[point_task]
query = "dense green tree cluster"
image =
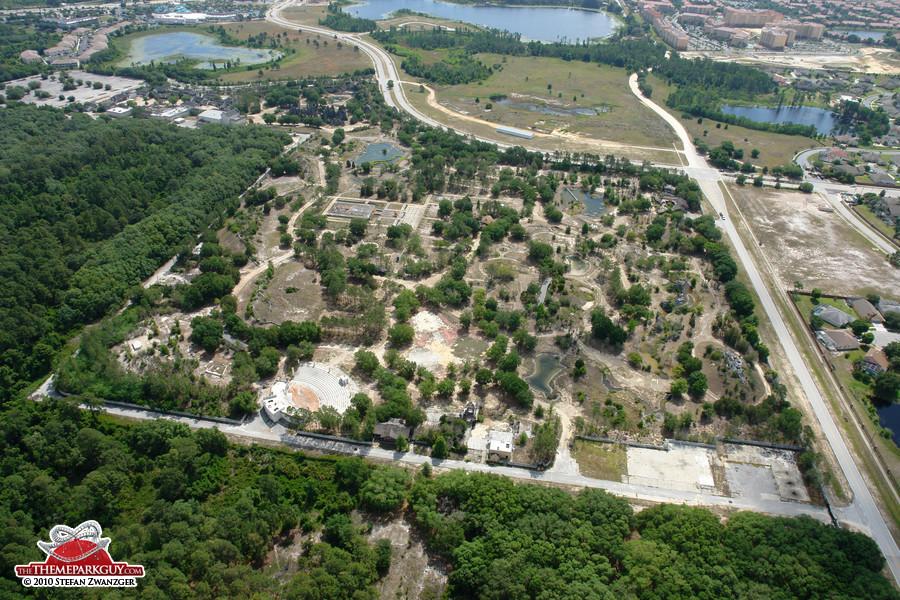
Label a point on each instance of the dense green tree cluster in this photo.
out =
(92, 207)
(454, 69)
(865, 121)
(506, 540)
(338, 20)
(17, 35)
(200, 514)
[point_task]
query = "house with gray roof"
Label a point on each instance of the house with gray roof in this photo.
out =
(871, 157)
(885, 305)
(837, 340)
(866, 310)
(832, 316)
(881, 178)
(391, 430)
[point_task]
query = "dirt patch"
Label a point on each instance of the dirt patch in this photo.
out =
(817, 248)
(414, 573)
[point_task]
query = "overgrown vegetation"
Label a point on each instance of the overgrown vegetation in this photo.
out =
(204, 516)
(92, 208)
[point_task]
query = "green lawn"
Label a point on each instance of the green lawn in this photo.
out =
(602, 461)
(874, 220)
(552, 84)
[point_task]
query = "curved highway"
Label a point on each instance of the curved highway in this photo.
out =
(863, 512)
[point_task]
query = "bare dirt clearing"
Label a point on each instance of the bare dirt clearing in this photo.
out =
(817, 248)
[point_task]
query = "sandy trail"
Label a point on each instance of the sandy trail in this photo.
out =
(562, 136)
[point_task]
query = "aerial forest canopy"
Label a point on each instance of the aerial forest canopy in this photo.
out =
(89, 209)
(204, 516)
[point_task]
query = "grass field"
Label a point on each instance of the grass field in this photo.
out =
(572, 85)
(305, 15)
(805, 304)
(775, 150)
(308, 60)
(602, 461)
(874, 220)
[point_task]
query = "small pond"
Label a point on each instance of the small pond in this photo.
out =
(593, 205)
(552, 110)
(469, 348)
(547, 24)
(378, 153)
(546, 366)
(863, 35)
(181, 45)
(577, 266)
(889, 415)
(823, 120)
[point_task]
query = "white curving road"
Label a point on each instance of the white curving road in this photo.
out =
(863, 512)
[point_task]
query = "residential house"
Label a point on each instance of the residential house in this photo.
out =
(847, 140)
(872, 157)
(885, 306)
(392, 430)
(892, 209)
(881, 178)
(832, 316)
(837, 340)
(499, 445)
(875, 362)
(866, 310)
(849, 169)
(833, 154)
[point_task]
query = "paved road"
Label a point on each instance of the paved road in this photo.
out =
(832, 191)
(863, 512)
(263, 430)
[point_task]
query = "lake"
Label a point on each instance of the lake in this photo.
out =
(175, 46)
(577, 266)
(533, 23)
(823, 120)
(863, 35)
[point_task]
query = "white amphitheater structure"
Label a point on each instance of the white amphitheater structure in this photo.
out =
(311, 388)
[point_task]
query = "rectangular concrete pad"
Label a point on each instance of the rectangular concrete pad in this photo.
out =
(751, 481)
(350, 210)
(681, 467)
(766, 473)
